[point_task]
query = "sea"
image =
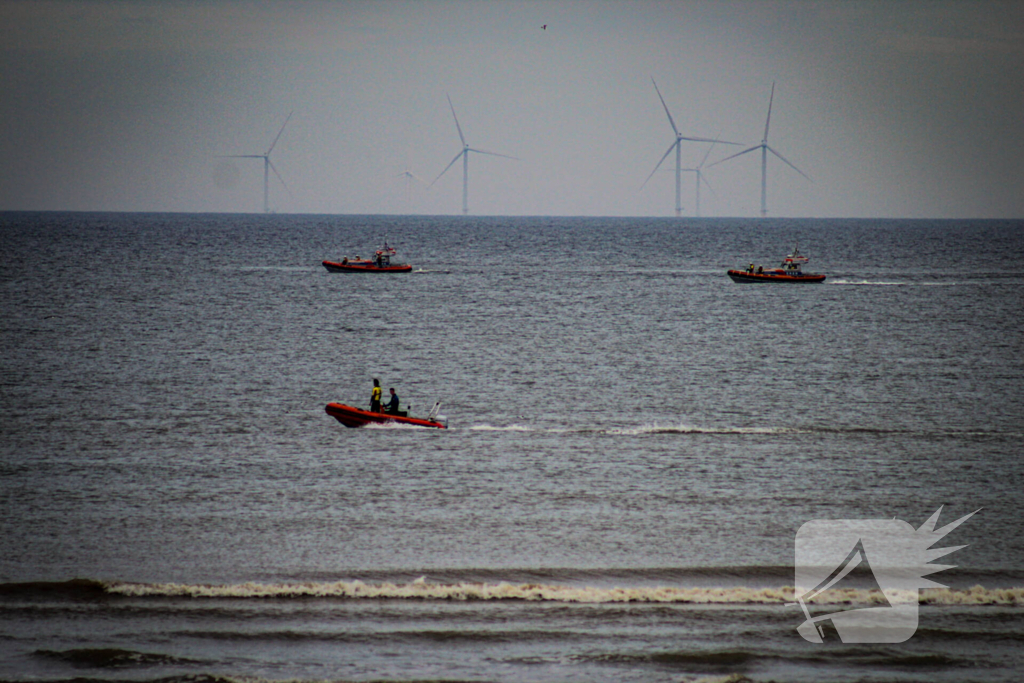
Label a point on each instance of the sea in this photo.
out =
(634, 446)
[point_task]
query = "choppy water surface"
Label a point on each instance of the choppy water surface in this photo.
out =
(634, 442)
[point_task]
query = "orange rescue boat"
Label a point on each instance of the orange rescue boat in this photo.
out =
(790, 271)
(380, 263)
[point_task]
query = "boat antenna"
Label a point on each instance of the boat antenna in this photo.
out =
(433, 411)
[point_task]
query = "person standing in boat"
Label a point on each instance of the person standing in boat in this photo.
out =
(391, 406)
(375, 396)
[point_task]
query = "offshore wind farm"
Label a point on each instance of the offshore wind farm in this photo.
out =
(141, 101)
(676, 146)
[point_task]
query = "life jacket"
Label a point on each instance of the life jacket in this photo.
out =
(375, 396)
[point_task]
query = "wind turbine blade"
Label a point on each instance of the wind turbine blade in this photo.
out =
(457, 126)
(446, 168)
(751, 149)
(279, 132)
(240, 156)
(789, 164)
(658, 165)
(721, 142)
(665, 106)
(708, 184)
(493, 154)
(706, 155)
(769, 119)
(283, 184)
(409, 174)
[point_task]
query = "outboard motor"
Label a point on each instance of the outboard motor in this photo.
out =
(435, 417)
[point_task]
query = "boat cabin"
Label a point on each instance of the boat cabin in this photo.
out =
(793, 263)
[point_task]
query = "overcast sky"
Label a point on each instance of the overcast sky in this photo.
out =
(893, 109)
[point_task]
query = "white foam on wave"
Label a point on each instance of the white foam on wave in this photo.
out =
(394, 425)
(421, 589)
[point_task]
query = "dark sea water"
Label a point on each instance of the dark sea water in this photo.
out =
(634, 443)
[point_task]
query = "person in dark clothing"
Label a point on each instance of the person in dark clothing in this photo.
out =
(392, 405)
(375, 397)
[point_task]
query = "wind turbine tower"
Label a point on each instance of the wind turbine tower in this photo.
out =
(676, 145)
(466, 149)
(765, 148)
(698, 170)
(409, 177)
(268, 165)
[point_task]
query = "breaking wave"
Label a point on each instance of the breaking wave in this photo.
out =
(421, 589)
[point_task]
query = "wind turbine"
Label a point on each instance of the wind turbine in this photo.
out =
(466, 149)
(268, 166)
(699, 171)
(677, 144)
(409, 177)
(764, 158)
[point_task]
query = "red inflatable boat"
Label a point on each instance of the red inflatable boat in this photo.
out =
(357, 417)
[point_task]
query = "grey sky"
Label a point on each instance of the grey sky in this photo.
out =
(894, 109)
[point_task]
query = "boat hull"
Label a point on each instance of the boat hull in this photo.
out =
(745, 276)
(365, 267)
(357, 417)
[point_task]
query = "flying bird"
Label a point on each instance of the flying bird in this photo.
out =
(544, 27)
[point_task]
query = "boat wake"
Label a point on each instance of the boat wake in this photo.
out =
(509, 428)
(656, 428)
(690, 429)
(642, 430)
(396, 425)
(883, 283)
